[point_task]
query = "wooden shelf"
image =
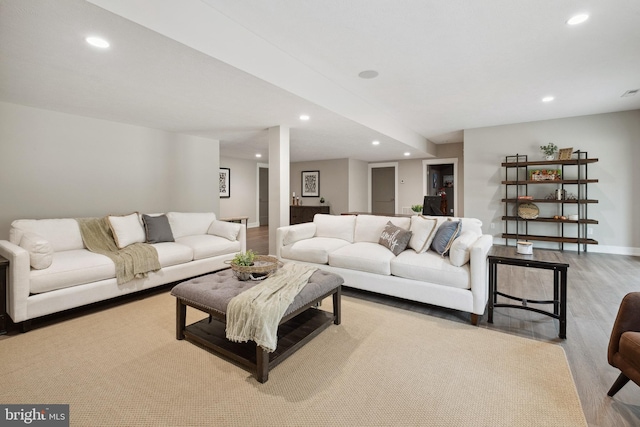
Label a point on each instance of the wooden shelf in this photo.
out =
(557, 239)
(547, 219)
(567, 201)
(555, 181)
(549, 162)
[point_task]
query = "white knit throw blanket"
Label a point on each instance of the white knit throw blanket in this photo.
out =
(255, 313)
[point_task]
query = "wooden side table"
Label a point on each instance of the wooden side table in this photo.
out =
(4, 270)
(544, 259)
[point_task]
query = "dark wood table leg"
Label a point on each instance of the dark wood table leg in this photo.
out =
(262, 364)
(337, 308)
(563, 303)
(492, 290)
(181, 318)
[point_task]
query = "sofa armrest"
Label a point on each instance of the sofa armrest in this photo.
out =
(242, 238)
(479, 272)
(18, 281)
(627, 319)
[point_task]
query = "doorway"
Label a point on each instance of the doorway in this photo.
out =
(441, 179)
(263, 194)
(383, 188)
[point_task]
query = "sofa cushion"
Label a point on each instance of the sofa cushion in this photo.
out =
(314, 250)
(423, 230)
(299, 232)
(126, 229)
(430, 267)
(369, 227)
(335, 226)
(63, 234)
(72, 268)
(40, 251)
(394, 238)
(207, 246)
(171, 253)
(228, 230)
(363, 256)
(460, 251)
(157, 228)
(190, 223)
(446, 234)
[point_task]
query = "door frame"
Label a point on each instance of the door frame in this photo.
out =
(393, 165)
(258, 166)
(456, 180)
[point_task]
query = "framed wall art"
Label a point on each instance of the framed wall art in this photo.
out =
(565, 153)
(310, 183)
(225, 183)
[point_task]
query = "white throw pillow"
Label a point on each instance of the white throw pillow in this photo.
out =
(228, 230)
(299, 232)
(459, 253)
(40, 251)
(190, 223)
(423, 230)
(335, 226)
(127, 229)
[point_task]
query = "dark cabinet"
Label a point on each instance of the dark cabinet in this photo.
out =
(300, 214)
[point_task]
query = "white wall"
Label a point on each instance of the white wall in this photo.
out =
(613, 138)
(56, 165)
(334, 177)
(358, 186)
(243, 189)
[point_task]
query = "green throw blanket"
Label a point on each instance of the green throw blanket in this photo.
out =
(255, 313)
(134, 261)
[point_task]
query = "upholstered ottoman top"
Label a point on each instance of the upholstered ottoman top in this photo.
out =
(214, 291)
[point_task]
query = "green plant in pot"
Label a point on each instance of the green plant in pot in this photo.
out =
(549, 150)
(244, 259)
(417, 208)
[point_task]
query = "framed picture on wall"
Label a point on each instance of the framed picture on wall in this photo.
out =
(225, 183)
(310, 183)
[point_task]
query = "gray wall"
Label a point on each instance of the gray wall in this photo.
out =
(56, 165)
(334, 176)
(244, 181)
(613, 138)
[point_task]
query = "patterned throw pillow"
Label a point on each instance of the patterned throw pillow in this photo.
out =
(445, 236)
(395, 238)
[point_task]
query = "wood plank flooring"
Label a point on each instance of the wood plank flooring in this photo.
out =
(596, 285)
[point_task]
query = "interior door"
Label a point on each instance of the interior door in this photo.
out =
(383, 185)
(263, 197)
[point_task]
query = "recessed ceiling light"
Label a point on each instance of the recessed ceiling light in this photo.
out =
(407, 153)
(578, 19)
(304, 117)
(258, 155)
(375, 142)
(368, 74)
(548, 99)
(97, 42)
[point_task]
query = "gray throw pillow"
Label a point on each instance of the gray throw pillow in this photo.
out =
(157, 228)
(445, 236)
(395, 238)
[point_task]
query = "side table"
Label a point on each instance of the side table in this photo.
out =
(4, 270)
(544, 259)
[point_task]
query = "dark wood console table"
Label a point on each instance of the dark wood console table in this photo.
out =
(300, 214)
(544, 259)
(4, 268)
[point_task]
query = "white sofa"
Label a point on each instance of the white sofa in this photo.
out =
(348, 245)
(76, 276)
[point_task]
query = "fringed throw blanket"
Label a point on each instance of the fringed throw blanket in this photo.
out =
(255, 313)
(134, 261)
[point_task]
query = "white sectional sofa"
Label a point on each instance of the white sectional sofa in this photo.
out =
(52, 270)
(348, 245)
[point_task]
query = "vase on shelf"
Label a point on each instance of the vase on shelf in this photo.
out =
(550, 157)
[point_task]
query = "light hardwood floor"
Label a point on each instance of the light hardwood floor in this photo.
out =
(596, 285)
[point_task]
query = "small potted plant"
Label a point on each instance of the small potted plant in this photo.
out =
(417, 208)
(549, 150)
(243, 259)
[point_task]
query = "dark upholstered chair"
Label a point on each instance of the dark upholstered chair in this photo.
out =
(624, 344)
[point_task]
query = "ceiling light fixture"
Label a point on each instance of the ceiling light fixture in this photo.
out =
(97, 42)
(548, 99)
(304, 117)
(407, 153)
(578, 19)
(258, 155)
(375, 142)
(368, 74)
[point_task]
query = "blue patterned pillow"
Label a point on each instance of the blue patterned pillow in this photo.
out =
(445, 236)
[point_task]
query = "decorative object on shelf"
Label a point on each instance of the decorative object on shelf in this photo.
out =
(225, 183)
(573, 217)
(528, 211)
(549, 150)
(560, 194)
(417, 208)
(525, 197)
(310, 183)
(524, 248)
(545, 175)
(565, 153)
(249, 266)
(322, 200)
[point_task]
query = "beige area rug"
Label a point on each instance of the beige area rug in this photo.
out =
(383, 366)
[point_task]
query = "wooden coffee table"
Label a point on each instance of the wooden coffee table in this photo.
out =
(302, 321)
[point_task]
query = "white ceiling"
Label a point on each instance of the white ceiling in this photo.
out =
(229, 70)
